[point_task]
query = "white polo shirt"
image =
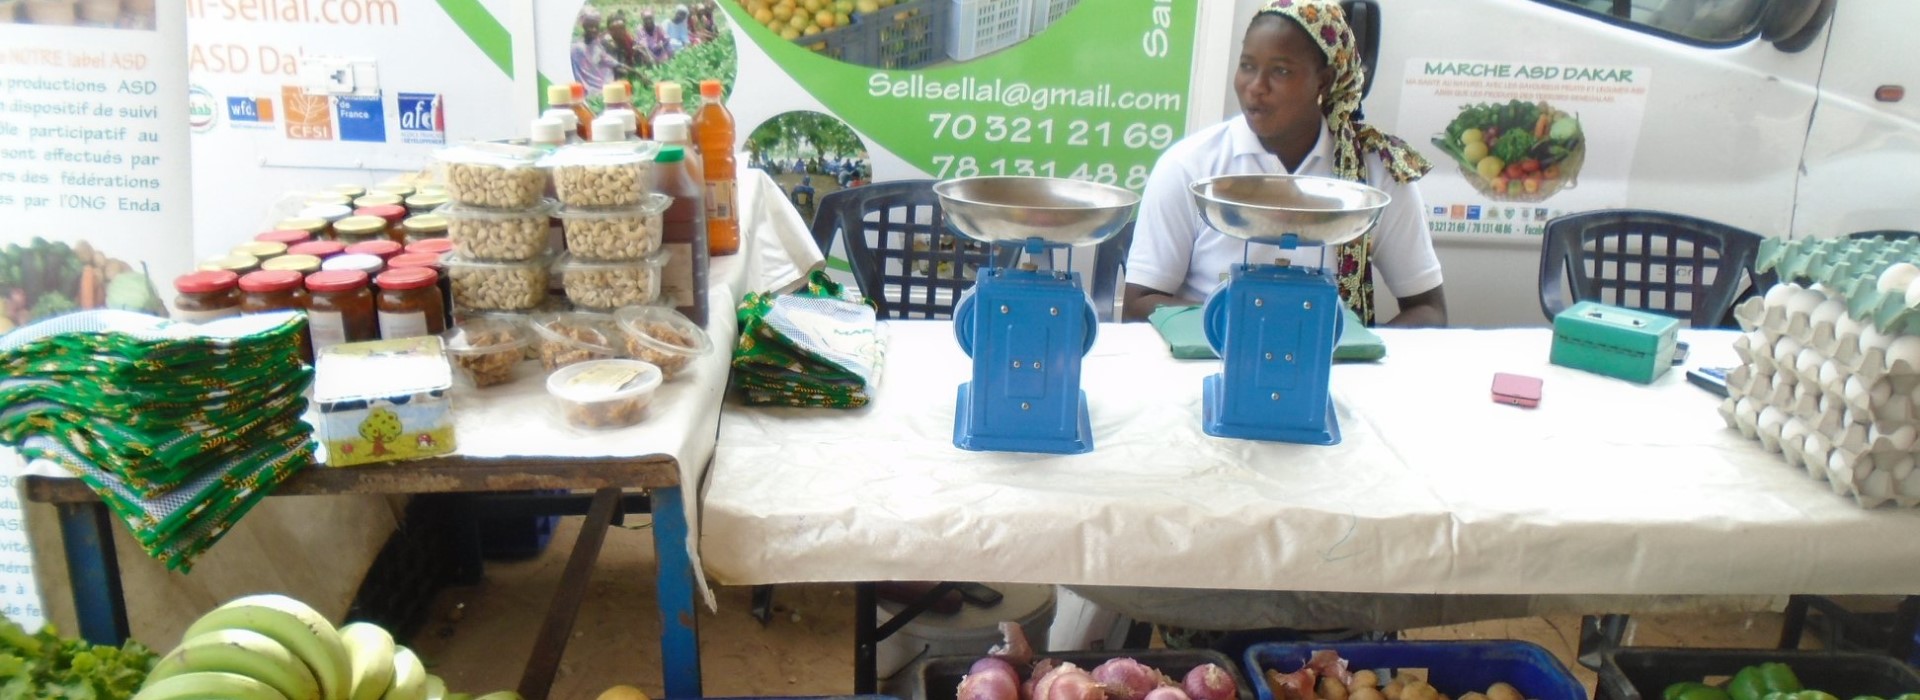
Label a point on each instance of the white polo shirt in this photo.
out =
(1173, 251)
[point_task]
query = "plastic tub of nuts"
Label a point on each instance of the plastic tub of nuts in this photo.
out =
(605, 285)
(604, 393)
(617, 174)
(487, 348)
(621, 233)
(495, 175)
(663, 337)
(498, 234)
(565, 337)
(497, 286)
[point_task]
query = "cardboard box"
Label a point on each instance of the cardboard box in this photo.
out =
(1623, 343)
(383, 401)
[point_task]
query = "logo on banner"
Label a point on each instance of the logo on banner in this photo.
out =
(250, 112)
(423, 118)
(202, 109)
(361, 119)
(309, 117)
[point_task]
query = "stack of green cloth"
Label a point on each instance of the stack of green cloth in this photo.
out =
(1184, 328)
(180, 428)
(809, 348)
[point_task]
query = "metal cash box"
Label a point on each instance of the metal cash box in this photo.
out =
(1617, 342)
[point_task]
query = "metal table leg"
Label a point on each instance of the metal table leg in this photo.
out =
(551, 641)
(865, 646)
(679, 622)
(94, 571)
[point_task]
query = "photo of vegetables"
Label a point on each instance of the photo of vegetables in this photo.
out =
(1516, 151)
(43, 279)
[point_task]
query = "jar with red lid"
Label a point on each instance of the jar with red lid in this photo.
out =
(383, 249)
(276, 290)
(395, 216)
(409, 304)
(436, 246)
(340, 308)
(289, 238)
(318, 249)
(433, 262)
(206, 295)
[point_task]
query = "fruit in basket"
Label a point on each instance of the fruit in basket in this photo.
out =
(243, 652)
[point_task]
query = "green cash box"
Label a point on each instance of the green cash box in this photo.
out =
(1622, 343)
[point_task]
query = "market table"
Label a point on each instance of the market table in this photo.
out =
(510, 438)
(1607, 488)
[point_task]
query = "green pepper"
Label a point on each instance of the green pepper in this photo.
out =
(1694, 691)
(1757, 682)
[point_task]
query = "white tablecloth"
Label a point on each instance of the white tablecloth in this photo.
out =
(1607, 488)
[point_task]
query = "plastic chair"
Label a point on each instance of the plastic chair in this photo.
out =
(1893, 234)
(1655, 261)
(902, 253)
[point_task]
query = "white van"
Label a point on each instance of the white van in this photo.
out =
(1782, 117)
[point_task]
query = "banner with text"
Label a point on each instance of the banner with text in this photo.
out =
(1517, 143)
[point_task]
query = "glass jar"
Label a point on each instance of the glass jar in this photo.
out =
(425, 203)
(395, 216)
(340, 308)
(289, 238)
(409, 305)
(261, 250)
(316, 228)
(383, 249)
(436, 246)
(431, 261)
(359, 229)
(421, 227)
(368, 265)
(303, 264)
(376, 200)
(272, 290)
(318, 249)
(236, 263)
(206, 295)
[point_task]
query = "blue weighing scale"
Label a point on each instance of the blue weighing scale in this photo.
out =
(1027, 329)
(1275, 325)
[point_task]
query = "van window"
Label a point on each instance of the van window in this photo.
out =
(1702, 21)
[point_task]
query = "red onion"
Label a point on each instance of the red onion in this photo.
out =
(1210, 682)
(990, 679)
(1068, 682)
(1127, 679)
(1167, 692)
(1040, 670)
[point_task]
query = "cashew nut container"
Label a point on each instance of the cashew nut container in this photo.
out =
(497, 286)
(488, 348)
(604, 393)
(617, 233)
(497, 175)
(663, 337)
(605, 285)
(608, 174)
(498, 234)
(566, 337)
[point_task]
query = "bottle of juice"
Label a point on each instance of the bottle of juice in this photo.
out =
(560, 107)
(713, 130)
(683, 282)
(667, 99)
(580, 110)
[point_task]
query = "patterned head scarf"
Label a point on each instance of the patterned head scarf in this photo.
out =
(1326, 23)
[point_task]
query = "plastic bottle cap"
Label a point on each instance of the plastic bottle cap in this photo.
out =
(298, 263)
(609, 127)
(336, 280)
(435, 246)
(413, 260)
(358, 262)
(670, 154)
(559, 95)
(549, 130)
(271, 281)
(261, 249)
(629, 121)
(384, 249)
(205, 281)
(711, 89)
(668, 91)
(578, 91)
(614, 93)
(288, 237)
(390, 212)
(318, 249)
(672, 128)
(407, 278)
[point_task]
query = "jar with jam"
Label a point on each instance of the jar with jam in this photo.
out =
(376, 200)
(276, 290)
(318, 249)
(340, 308)
(368, 265)
(303, 264)
(236, 263)
(395, 216)
(409, 305)
(423, 227)
(383, 249)
(423, 203)
(261, 250)
(359, 229)
(206, 295)
(316, 228)
(430, 261)
(289, 238)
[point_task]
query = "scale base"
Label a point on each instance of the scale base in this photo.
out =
(1060, 444)
(1214, 422)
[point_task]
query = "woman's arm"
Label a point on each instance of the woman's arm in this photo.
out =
(1138, 302)
(1427, 309)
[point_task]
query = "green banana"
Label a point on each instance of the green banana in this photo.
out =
(243, 652)
(209, 685)
(294, 625)
(409, 677)
(436, 688)
(370, 654)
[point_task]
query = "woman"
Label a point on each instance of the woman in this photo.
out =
(1298, 80)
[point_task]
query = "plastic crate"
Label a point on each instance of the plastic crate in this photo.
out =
(846, 43)
(1645, 672)
(1046, 12)
(1455, 668)
(981, 27)
(940, 675)
(907, 35)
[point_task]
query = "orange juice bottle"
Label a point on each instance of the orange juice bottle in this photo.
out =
(713, 131)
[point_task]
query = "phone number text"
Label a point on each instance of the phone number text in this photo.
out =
(1074, 133)
(1103, 173)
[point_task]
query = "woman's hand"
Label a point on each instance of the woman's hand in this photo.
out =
(1137, 302)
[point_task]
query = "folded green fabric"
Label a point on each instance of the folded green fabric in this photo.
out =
(1184, 329)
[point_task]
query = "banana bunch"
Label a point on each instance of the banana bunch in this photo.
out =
(271, 647)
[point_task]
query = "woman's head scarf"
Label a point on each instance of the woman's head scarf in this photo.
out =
(1326, 23)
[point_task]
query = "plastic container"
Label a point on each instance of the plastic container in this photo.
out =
(566, 337)
(713, 131)
(605, 285)
(601, 394)
(907, 35)
(1454, 668)
(981, 27)
(498, 234)
(497, 286)
(663, 337)
(1645, 672)
(622, 233)
(495, 175)
(846, 43)
(939, 677)
(488, 349)
(1046, 12)
(607, 174)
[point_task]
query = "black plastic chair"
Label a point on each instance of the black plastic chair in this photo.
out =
(1667, 263)
(902, 253)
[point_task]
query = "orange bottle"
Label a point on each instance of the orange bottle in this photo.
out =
(581, 111)
(713, 131)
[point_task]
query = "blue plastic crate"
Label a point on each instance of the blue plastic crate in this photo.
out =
(1455, 668)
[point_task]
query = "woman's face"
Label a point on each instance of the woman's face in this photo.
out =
(1280, 78)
